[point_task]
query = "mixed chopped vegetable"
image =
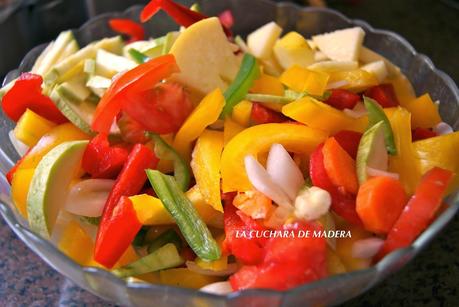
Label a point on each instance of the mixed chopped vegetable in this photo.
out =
(200, 160)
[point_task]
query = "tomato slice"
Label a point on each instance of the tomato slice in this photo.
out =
(419, 211)
(162, 109)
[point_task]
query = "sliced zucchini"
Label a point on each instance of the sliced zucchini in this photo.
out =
(75, 89)
(54, 53)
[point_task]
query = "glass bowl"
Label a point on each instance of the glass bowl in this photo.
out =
(249, 15)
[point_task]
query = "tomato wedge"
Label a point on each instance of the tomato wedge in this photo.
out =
(419, 211)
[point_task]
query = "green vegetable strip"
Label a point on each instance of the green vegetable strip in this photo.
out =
(288, 97)
(237, 91)
(182, 210)
(169, 236)
(166, 152)
(375, 115)
(163, 258)
(138, 56)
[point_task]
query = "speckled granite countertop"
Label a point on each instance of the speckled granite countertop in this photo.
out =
(432, 279)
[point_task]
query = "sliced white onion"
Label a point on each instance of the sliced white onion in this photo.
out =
(192, 266)
(20, 147)
(263, 182)
(337, 84)
(373, 172)
(279, 217)
(284, 171)
(221, 287)
(443, 128)
(358, 111)
(366, 248)
(88, 197)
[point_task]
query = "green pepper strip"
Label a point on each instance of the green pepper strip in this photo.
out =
(138, 56)
(193, 228)
(249, 72)
(375, 115)
(169, 236)
(166, 152)
(165, 257)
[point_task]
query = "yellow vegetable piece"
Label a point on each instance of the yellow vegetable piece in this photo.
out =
(403, 89)
(344, 248)
(230, 129)
(24, 173)
(293, 49)
(304, 80)
(267, 85)
(217, 265)
(334, 264)
(150, 210)
(241, 113)
(31, 127)
(424, 112)
(128, 257)
(206, 113)
(258, 139)
(319, 115)
(185, 278)
(206, 166)
(405, 162)
(77, 244)
(439, 151)
(357, 79)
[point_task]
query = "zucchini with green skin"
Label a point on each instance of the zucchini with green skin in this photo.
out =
(163, 258)
(193, 228)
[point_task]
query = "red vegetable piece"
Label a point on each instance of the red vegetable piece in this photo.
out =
(128, 27)
(419, 211)
(342, 99)
(26, 93)
(227, 19)
(349, 140)
(129, 182)
(343, 203)
(384, 94)
(262, 115)
(422, 134)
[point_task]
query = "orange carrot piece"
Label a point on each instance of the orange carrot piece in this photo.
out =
(340, 166)
(254, 204)
(380, 202)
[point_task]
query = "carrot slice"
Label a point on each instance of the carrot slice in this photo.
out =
(380, 202)
(340, 166)
(254, 204)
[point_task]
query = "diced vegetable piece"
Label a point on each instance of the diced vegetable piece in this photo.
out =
(341, 45)
(230, 129)
(169, 236)
(293, 49)
(77, 244)
(380, 202)
(109, 64)
(255, 204)
(355, 80)
(383, 94)
(419, 211)
(241, 112)
(128, 27)
(262, 115)
(268, 85)
(349, 141)
(345, 245)
(424, 112)
(303, 80)
(183, 277)
(138, 56)
(75, 89)
(422, 134)
(31, 127)
(333, 66)
(342, 99)
(378, 69)
(191, 225)
(262, 40)
(164, 257)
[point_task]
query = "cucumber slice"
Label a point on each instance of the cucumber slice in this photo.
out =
(40, 58)
(75, 89)
(71, 48)
(109, 64)
(89, 66)
(163, 258)
(53, 55)
(98, 85)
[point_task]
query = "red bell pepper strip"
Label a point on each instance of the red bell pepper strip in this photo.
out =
(342, 203)
(138, 79)
(128, 27)
(419, 211)
(26, 93)
(349, 140)
(9, 176)
(422, 134)
(288, 261)
(262, 115)
(101, 160)
(227, 19)
(181, 14)
(109, 247)
(384, 94)
(342, 99)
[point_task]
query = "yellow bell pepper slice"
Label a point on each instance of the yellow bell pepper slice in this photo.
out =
(230, 129)
(205, 164)
(301, 80)
(424, 112)
(404, 162)
(334, 264)
(77, 244)
(206, 113)
(257, 140)
(241, 113)
(185, 278)
(319, 115)
(357, 79)
(344, 248)
(24, 173)
(217, 265)
(440, 151)
(151, 211)
(31, 127)
(267, 85)
(403, 89)
(129, 256)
